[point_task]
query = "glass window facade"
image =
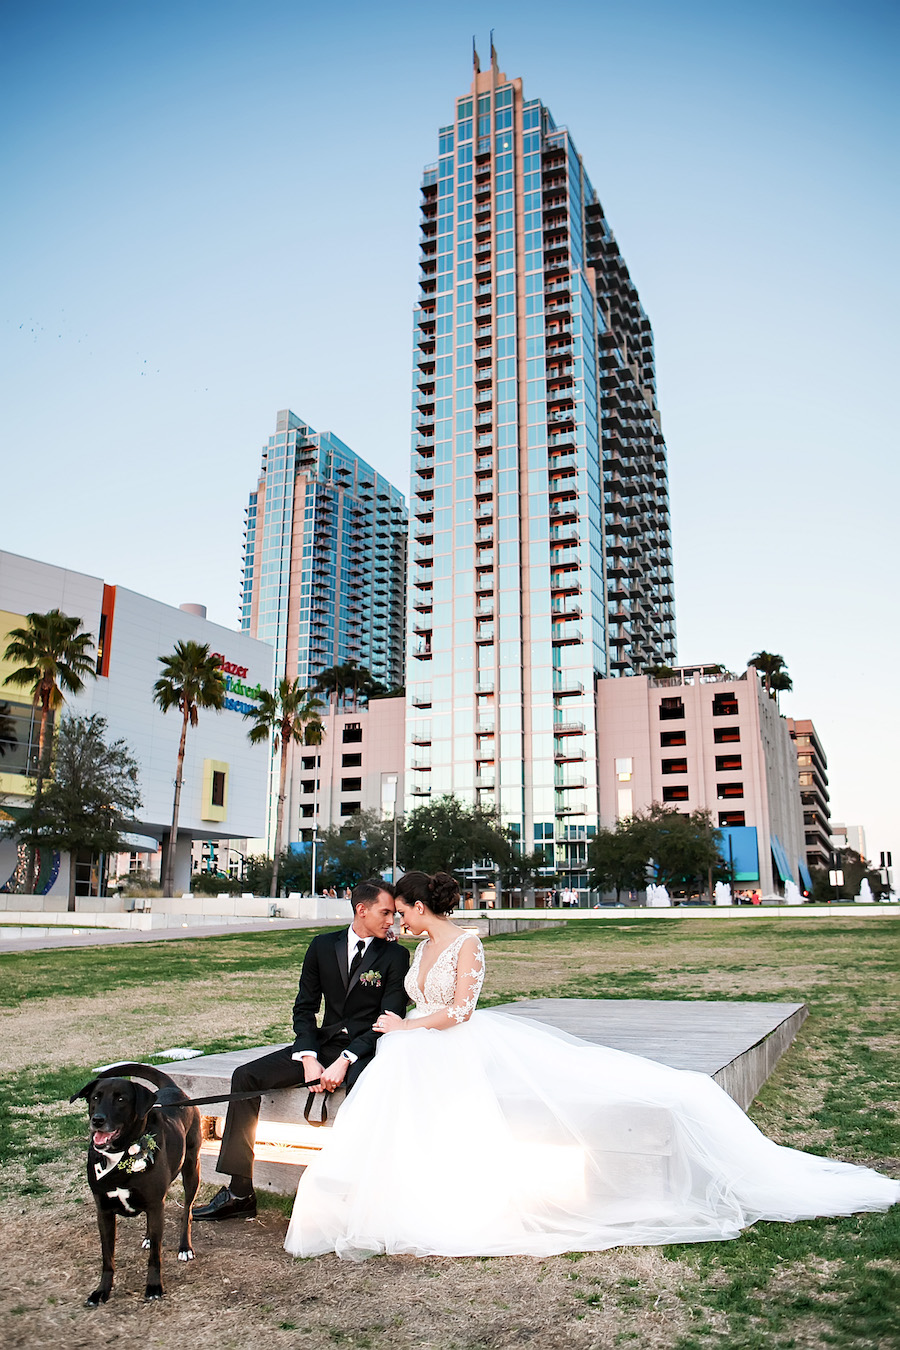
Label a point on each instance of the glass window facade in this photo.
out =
(325, 558)
(540, 557)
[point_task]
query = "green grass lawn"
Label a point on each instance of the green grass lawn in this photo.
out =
(822, 1283)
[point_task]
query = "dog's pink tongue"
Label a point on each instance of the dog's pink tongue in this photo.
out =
(101, 1138)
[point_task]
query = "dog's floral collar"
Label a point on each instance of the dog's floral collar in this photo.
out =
(371, 977)
(138, 1157)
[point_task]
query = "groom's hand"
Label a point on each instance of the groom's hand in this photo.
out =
(334, 1075)
(312, 1069)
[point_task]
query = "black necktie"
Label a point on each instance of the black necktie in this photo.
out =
(357, 960)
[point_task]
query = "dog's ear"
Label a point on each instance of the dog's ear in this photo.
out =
(85, 1091)
(144, 1100)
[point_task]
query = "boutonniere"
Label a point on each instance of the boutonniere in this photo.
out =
(372, 977)
(140, 1156)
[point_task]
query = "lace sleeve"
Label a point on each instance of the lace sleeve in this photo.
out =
(469, 979)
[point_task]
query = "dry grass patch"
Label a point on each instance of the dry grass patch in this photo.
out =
(132, 1024)
(244, 1291)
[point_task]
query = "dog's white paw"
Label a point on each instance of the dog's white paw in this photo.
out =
(186, 1256)
(145, 1244)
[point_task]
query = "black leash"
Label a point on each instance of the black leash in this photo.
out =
(227, 1097)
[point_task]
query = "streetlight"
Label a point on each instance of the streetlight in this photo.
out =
(389, 794)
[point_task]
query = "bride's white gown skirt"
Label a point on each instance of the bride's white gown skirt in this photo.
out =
(539, 1143)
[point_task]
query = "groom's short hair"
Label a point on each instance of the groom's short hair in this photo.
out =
(367, 892)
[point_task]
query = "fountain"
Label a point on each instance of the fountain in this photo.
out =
(865, 896)
(792, 894)
(658, 898)
(723, 893)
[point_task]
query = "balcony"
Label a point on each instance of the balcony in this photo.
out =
(565, 728)
(485, 685)
(564, 686)
(567, 806)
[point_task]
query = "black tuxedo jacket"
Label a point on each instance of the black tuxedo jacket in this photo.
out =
(351, 1006)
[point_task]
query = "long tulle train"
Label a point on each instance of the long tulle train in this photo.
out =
(552, 1145)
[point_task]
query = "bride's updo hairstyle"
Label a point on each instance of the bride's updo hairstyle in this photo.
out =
(439, 893)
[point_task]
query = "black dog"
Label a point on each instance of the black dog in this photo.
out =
(140, 1141)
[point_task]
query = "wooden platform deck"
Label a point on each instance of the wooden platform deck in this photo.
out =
(737, 1044)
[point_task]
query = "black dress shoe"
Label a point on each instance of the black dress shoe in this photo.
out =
(225, 1205)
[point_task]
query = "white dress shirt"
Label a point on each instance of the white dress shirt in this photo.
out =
(353, 938)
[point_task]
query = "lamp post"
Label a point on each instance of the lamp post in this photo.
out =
(389, 794)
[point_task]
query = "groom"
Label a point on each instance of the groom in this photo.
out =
(359, 975)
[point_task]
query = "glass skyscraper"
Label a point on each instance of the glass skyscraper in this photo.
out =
(540, 550)
(324, 577)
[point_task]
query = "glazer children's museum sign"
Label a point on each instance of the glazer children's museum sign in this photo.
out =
(233, 677)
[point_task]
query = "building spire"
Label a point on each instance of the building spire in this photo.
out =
(494, 66)
(476, 64)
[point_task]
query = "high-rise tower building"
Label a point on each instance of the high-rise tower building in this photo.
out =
(324, 558)
(540, 545)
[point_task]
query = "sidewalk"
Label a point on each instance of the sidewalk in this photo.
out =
(107, 937)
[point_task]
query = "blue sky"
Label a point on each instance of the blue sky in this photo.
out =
(211, 214)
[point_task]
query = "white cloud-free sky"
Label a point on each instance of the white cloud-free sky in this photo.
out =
(211, 213)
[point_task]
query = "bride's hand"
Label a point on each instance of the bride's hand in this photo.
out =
(389, 1021)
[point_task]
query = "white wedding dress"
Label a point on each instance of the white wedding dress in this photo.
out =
(539, 1143)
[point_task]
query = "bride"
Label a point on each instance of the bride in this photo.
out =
(482, 1134)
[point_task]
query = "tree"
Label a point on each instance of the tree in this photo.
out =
(447, 835)
(215, 883)
(350, 675)
(773, 669)
(332, 681)
(619, 858)
(660, 672)
(91, 798)
(8, 738)
(53, 659)
(258, 874)
(521, 871)
(191, 680)
(854, 868)
(359, 847)
(685, 848)
(288, 715)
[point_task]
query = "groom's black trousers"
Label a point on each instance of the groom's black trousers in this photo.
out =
(277, 1070)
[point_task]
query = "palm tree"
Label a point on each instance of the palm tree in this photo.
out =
(191, 680)
(54, 652)
(289, 715)
(774, 671)
(332, 681)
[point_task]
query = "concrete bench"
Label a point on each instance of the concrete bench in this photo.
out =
(285, 1141)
